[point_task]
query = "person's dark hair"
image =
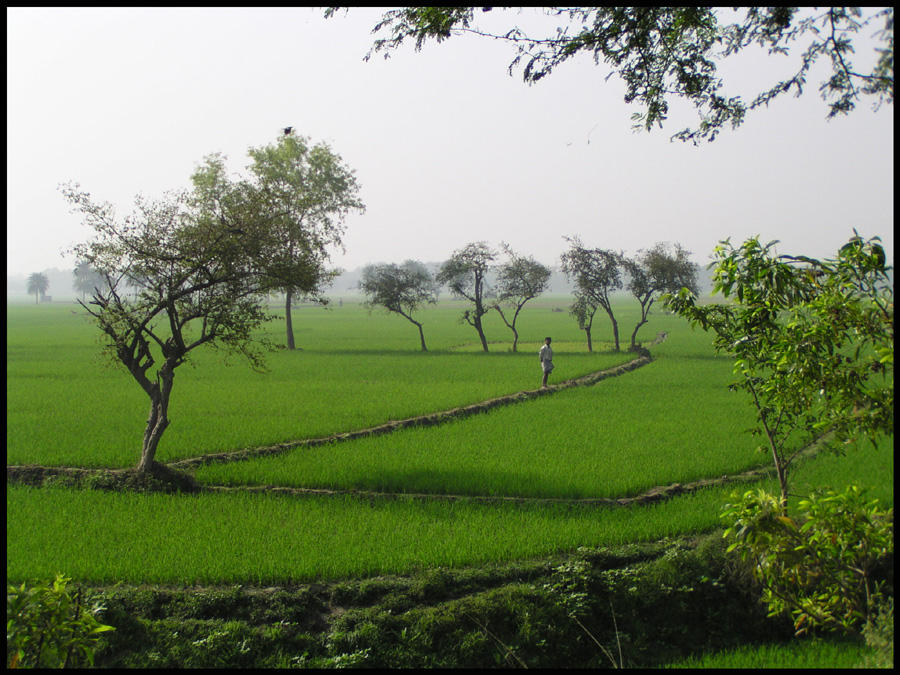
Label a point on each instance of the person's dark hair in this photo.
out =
(547, 338)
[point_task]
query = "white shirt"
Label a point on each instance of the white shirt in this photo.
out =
(546, 353)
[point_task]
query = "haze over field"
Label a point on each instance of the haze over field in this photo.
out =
(448, 147)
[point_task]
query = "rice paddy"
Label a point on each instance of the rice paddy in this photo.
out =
(671, 421)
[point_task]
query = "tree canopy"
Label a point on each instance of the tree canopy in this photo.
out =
(201, 265)
(307, 190)
(38, 284)
(466, 275)
(401, 289)
(813, 340)
(667, 53)
(519, 279)
(656, 271)
(596, 274)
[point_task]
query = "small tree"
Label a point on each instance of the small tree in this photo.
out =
(307, 191)
(402, 289)
(813, 343)
(657, 271)
(465, 273)
(519, 279)
(37, 284)
(584, 312)
(200, 274)
(813, 340)
(596, 273)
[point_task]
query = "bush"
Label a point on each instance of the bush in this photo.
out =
(47, 628)
(821, 569)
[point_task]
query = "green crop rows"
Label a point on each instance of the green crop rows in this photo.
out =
(671, 421)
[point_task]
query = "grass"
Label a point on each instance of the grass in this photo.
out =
(809, 653)
(672, 420)
(661, 424)
(67, 407)
(275, 539)
(260, 538)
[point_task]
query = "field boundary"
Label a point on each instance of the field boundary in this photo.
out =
(655, 494)
(420, 421)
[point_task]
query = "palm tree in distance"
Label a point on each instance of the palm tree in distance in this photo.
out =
(38, 284)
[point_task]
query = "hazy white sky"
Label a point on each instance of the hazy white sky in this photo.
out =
(447, 146)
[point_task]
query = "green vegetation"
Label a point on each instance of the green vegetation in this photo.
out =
(47, 628)
(807, 654)
(511, 570)
(580, 443)
(351, 371)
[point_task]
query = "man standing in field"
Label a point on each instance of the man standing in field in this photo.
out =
(546, 360)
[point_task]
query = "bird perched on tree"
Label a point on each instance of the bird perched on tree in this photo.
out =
(288, 130)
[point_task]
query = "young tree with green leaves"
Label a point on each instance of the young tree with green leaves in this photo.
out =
(596, 273)
(812, 340)
(308, 192)
(465, 273)
(37, 284)
(201, 264)
(401, 289)
(519, 279)
(666, 53)
(656, 271)
(583, 311)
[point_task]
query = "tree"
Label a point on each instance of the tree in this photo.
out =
(402, 289)
(200, 264)
(813, 340)
(596, 273)
(583, 311)
(657, 271)
(825, 568)
(665, 53)
(38, 284)
(309, 191)
(519, 279)
(86, 279)
(465, 274)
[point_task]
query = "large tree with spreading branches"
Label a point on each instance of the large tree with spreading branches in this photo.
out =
(663, 54)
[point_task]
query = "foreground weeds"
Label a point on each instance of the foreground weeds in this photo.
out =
(642, 604)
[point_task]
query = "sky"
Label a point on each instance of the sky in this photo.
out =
(448, 147)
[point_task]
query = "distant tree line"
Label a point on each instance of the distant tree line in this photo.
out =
(476, 273)
(596, 274)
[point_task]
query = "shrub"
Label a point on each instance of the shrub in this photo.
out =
(821, 569)
(47, 628)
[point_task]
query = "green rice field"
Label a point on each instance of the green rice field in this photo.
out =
(670, 421)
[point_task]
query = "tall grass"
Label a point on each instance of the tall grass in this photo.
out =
(265, 538)
(808, 653)
(666, 422)
(66, 406)
(268, 539)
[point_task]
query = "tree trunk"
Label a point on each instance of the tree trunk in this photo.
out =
(159, 417)
(421, 336)
(590, 344)
(287, 316)
(615, 330)
(481, 334)
(636, 329)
